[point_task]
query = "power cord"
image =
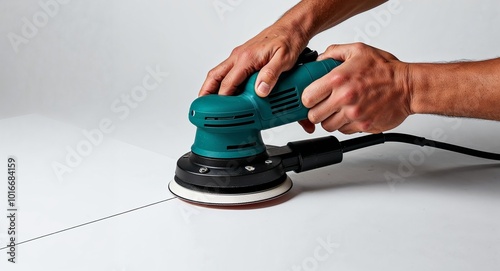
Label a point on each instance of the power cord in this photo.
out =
(375, 139)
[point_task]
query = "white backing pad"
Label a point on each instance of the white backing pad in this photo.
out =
(229, 199)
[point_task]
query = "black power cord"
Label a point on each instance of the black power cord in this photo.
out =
(370, 140)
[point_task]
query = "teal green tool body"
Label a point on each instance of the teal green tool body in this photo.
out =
(229, 126)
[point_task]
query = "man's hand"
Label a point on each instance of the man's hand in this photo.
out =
(272, 51)
(367, 93)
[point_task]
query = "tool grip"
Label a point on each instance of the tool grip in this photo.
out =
(229, 126)
(284, 103)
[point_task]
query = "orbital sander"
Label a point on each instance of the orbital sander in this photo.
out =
(229, 164)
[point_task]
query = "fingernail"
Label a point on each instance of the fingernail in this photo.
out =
(263, 89)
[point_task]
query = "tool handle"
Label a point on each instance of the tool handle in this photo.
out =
(229, 126)
(284, 103)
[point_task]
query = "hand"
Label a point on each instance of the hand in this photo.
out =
(272, 51)
(367, 93)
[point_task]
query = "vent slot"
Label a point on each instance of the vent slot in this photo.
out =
(284, 92)
(284, 100)
(284, 104)
(229, 124)
(242, 146)
(283, 109)
(230, 117)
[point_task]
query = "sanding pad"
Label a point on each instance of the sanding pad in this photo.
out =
(210, 198)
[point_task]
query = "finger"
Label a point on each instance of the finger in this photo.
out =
(340, 52)
(338, 99)
(343, 52)
(334, 122)
(348, 129)
(322, 111)
(269, 74)
(358, 126)
(329, 85)
(237, 75)
(316, 92)
(307, 125)
(214, 78)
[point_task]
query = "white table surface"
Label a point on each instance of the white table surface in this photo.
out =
(444, 214)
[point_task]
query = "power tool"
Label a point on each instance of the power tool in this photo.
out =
(229, 164)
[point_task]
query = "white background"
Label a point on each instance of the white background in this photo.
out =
(64, 79)
(92, 52)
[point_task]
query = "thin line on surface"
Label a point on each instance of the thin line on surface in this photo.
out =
(93, 221)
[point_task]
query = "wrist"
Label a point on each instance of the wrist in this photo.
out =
(419, 84)
(294, 32)
(405, 74)
(300, 21)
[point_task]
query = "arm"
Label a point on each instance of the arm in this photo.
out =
(464, 89)
(310, 17)
(277, 47)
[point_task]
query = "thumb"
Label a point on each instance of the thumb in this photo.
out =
(340, 52)
(269, 74)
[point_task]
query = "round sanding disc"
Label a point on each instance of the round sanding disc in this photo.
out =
(208, 198)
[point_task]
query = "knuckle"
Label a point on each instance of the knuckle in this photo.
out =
(237, 50)
(338, 78)
(359, 46)
(214, 74)
(350, 97)
(354, 113)
(331, 47)
(246, 54)
(365, 126)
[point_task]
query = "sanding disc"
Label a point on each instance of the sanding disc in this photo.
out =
(208, 198)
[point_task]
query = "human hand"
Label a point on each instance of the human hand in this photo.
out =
(272, 51)
(367, 93)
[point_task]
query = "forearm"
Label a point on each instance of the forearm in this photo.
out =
(310, 17)
(465, 89)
